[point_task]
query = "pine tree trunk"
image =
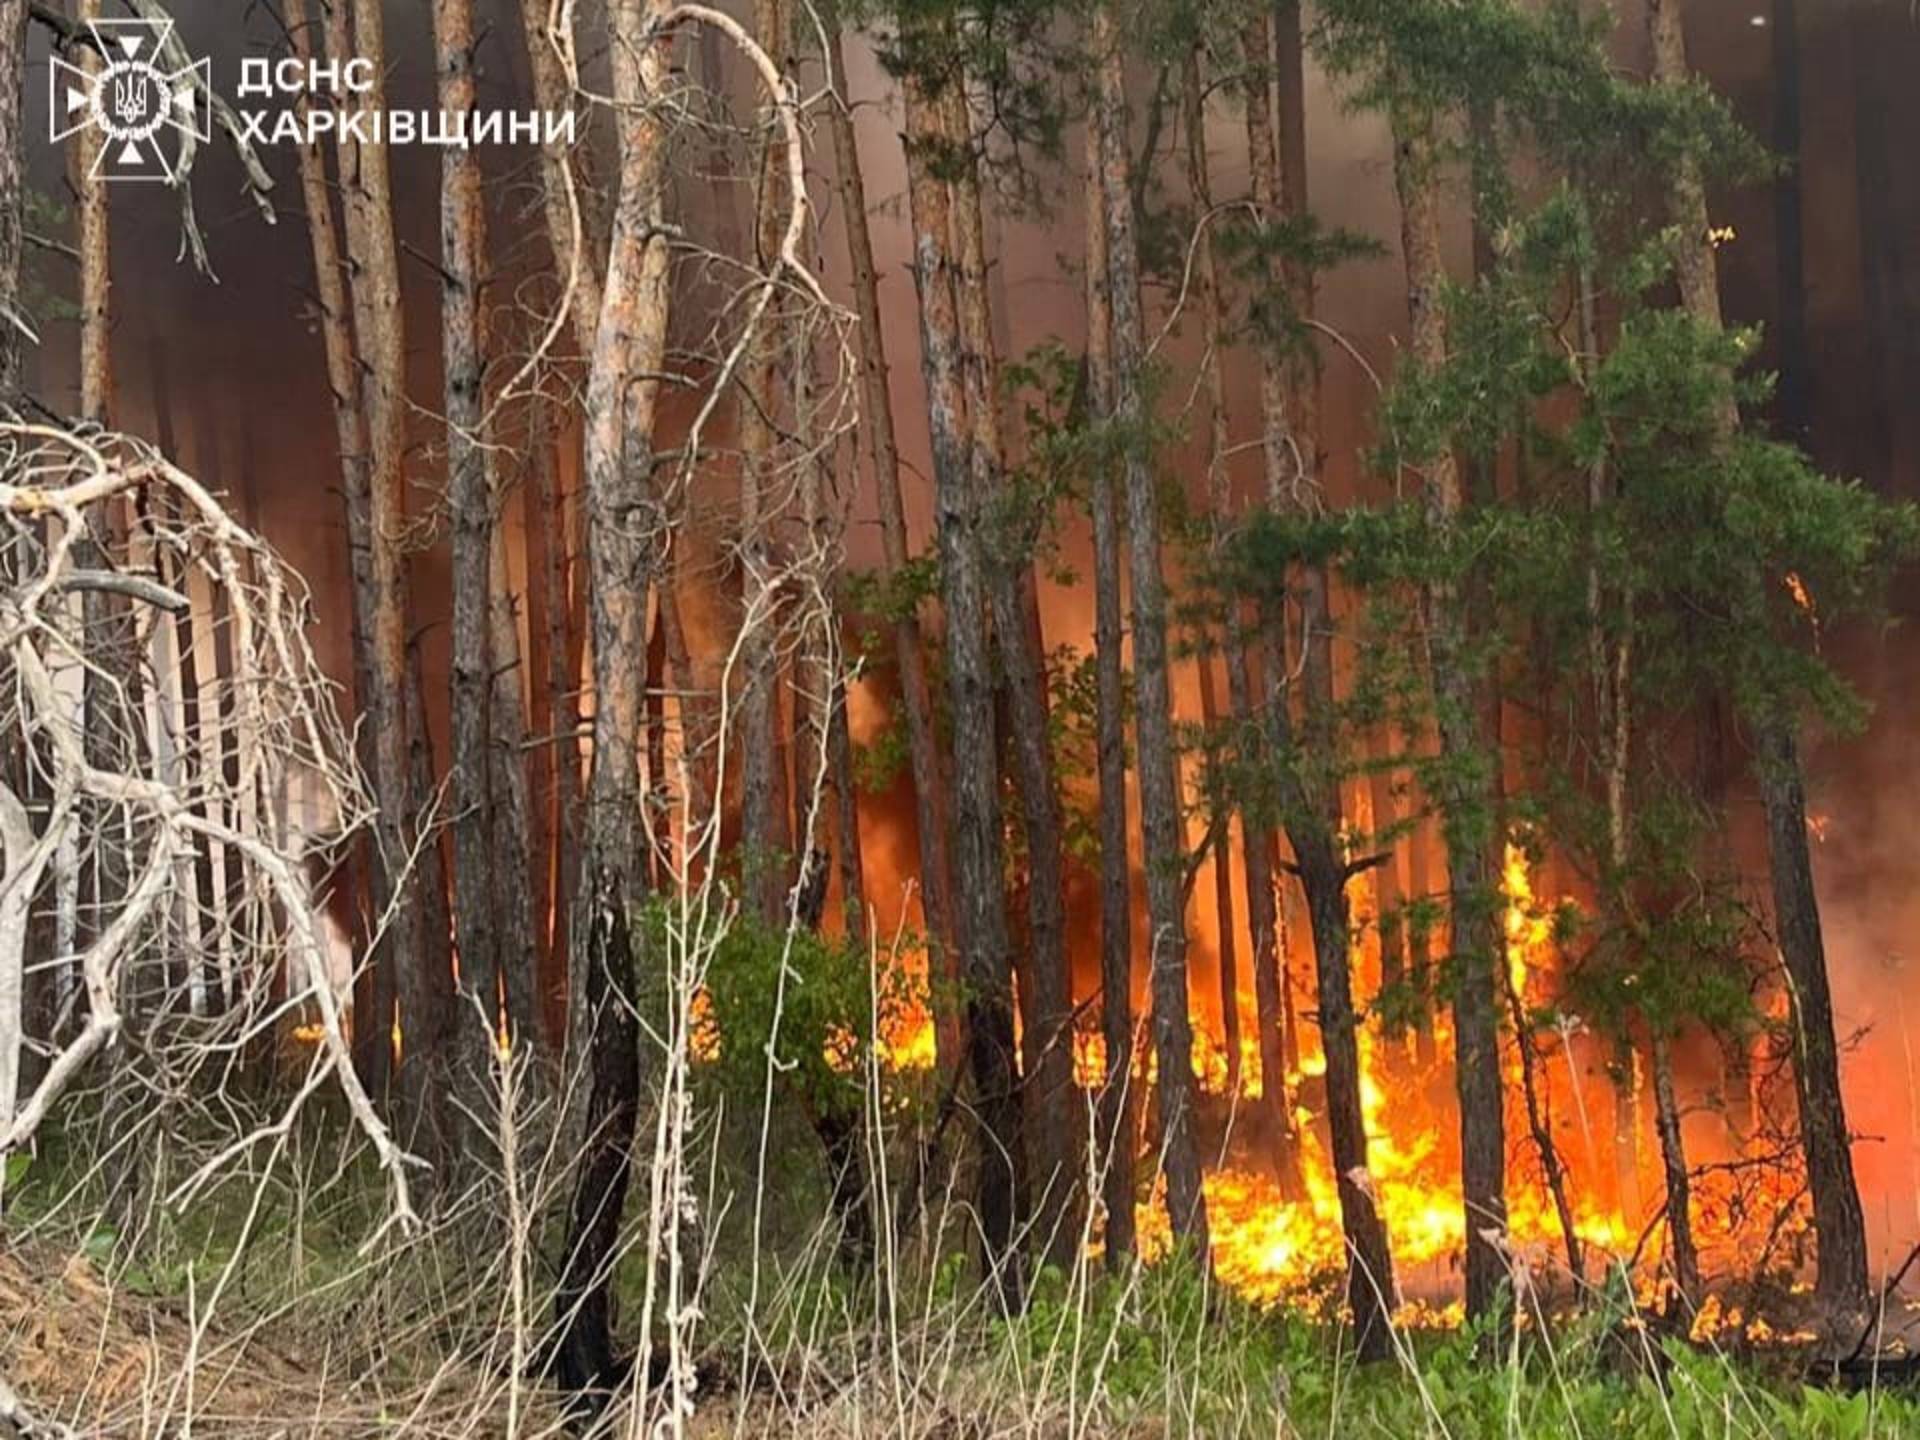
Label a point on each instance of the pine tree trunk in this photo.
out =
(372, 1049)
(765, 842)
(1045, 984)
(1290, 450)
(13, 187)
(1626, 1131)
(1390, 889)
(923, 754)
(1841, 1272)
(434, 1016)
(1370, 1285)
(1420, 947)
(1466, 799)
(572, 204)
(1687, 194)
(1119, 1105)
(1673, 1160)
(187, 662)
(980, 921)
(1153, 699)
(374, 267)
(499, 784)
(1841, 1275)
(512, 808)
(1255, 836)
(476, 885)
(1551, 1166)
(561, 562)
(112, 708)
(623, 527)
(853, 879)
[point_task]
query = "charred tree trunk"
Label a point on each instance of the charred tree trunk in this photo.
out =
(1390, 892)
(923, 754)
(1308, 763)
(1420, 948)
(562, 562)
(1541, 1131)
(980, 920)
(501, 788)
(1311, 807)
(1840, 1230)
(853, 879)
(1311, 762)
(477, 886)
(1841, 1279)
(113, 711)
(1045, 988)
(1466, 793)
(512, 810)
(624, 527)
(1673, 1160)
(553, 801)
(1118, 1104)
(1153, 700)
(1371, 1294)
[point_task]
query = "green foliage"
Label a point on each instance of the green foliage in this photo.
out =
(1162, 1351)
(809, 1000)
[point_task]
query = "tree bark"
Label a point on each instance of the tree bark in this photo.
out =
(923, 753)
(1841, 1269)
(1309, 763)
(1256, 850)
(1687, 195)
(476, 911)
(1465, 794)
(512, 808)
(372, 1049)
(1311, 810)
(1153, 699)
(1045, 988)
(563, 724)
(13, 189)
(572, 204)
(374, 267)
(624, 526)
(1841, 1272)
(1118, 1103)
(1673, 1159)
(766, 844)
(980, 921)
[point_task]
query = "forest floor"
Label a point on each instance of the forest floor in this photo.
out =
(114, 1359)
(325, 1321)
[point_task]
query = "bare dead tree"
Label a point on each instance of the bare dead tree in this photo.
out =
(50, 481)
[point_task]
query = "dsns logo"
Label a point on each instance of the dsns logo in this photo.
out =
(131, 101)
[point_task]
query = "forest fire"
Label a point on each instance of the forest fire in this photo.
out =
(1274, 1249)
(1207, 651)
